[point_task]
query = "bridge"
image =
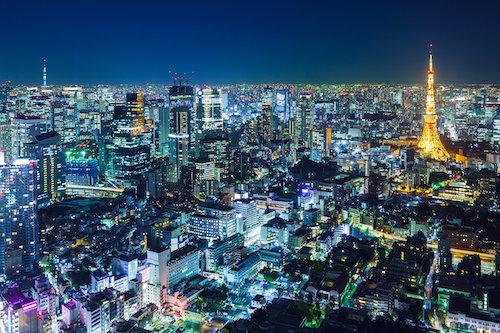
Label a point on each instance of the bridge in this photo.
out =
(93, 191)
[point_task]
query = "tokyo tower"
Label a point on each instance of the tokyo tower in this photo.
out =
(429, 143)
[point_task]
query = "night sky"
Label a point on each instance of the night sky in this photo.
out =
(257, 41)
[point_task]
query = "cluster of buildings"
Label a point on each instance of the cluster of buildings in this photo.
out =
(256, 208)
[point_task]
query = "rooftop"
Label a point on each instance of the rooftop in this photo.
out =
(182, 252)
(16, 300)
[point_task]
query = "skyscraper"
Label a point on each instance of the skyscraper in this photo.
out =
(206, 178)
(46, 150)
(320, 142)
(283, 104)
(267, 116)
(88, 121)
(430, 144)
(304, 121)
(181, 108)
(24, 129)
(57, 116)
(5, 138)
(163, 131)
(135, 112)
(19, 243)
(131, 154)
(496, 130)
(215, 147)
(208, 111)
(445, 257)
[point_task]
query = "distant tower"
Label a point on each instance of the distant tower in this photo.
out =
(429, 143)
(267, 114)
(44, 72)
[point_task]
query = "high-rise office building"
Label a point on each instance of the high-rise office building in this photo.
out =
(64, 118)
(19, 243)
(215, 147)
(57, 116)
(241, 165)
(135, 112)
(304, 121)
(320, 142)
(5, 138)
(445, 257)
(206, 178)
(131, 141)
(496, 130)
(163, 131)
(283, 104)
(106, 148)
(46, 150)
(88, 122)
(23, 131)
(267, 117)
(208, 112)
(181, 109)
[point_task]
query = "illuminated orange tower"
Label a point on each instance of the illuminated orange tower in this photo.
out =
(429, 143)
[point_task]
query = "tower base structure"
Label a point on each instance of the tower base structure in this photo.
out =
(430, 144)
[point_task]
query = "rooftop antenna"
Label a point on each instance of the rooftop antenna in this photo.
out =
(179, 79)
(175, 78)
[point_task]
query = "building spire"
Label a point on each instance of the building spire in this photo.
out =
(431, 69)
(430, 103)
(44, 72)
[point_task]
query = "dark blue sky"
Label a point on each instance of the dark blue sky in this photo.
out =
(249, 41)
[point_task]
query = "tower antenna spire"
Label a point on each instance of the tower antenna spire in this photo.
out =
(431, 69)
(44, 72)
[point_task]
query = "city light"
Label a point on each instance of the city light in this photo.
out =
(265, 192)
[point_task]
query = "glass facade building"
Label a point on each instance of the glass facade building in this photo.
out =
(19, 242)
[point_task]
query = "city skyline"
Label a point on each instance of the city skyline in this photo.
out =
(261, 204)
(229, 43)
